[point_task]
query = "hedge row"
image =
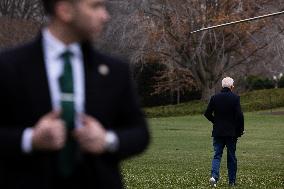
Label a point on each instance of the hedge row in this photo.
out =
(250, 101)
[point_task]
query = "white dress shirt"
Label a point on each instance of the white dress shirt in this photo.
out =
(52, 50)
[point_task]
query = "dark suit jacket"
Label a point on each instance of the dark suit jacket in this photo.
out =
(224, 111)
(25, 97)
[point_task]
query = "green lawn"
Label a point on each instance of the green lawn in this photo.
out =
(181, 150)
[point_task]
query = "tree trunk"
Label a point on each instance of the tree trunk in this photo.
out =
(207, 91)
(178, 96)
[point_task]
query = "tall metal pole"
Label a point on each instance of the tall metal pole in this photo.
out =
(237, 22)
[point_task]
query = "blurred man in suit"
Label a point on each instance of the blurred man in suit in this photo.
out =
(68, 114)
(224, 111)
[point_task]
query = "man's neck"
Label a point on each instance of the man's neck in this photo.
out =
(62, 33)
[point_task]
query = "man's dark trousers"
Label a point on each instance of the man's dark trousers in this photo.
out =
(219, 143)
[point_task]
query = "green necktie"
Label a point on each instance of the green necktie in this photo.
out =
(68, 153)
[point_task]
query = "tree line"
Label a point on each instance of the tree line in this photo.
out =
(155, 35)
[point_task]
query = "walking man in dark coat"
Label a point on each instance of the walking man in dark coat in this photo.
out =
(224, 111)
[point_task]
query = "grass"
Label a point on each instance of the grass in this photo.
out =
(250, 101)
(181, 150)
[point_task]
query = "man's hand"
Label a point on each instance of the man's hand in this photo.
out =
(49, 133)
(92, 136)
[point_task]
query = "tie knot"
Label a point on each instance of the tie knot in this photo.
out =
(66, 54)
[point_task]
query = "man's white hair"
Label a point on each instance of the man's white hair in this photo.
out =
(227, 82)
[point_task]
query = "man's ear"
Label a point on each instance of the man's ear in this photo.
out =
(64, 10)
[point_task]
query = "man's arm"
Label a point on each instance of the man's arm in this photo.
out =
(49, 134)
(130, 133)
(133, 133)
(209, 111)
(239, 118)
(49, 130)
(10, 135)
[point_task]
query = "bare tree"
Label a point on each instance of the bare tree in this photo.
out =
(174, 80)
(123, 35)
(20, 20)
(209, 55)
(22, 9)
(16, 31)
(272, 57)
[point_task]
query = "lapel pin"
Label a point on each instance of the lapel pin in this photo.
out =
(103, 69)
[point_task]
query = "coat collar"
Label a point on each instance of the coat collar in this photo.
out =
(225, 89)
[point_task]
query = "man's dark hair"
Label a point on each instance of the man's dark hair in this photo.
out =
(48, 6)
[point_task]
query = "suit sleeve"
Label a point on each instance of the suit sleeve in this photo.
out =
(209, 111)
(239, 119)
(10, 135)
(134, 136)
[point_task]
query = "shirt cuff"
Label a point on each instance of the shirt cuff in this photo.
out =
(27, 140)
(112, 142)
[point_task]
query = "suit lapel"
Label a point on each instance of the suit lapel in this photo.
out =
(36, 79)
(90, 76)
(95, 82)
(100, 89)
